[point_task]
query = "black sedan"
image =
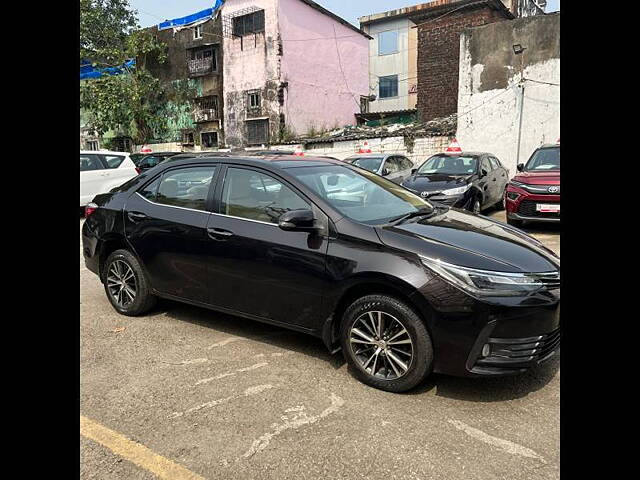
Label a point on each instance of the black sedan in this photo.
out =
(402, 286)
(473, 181)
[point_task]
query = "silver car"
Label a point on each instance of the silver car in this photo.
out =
(396, 168)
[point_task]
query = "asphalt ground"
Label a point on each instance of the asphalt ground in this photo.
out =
(185, 392)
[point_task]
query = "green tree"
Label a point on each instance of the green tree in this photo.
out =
(131, 102)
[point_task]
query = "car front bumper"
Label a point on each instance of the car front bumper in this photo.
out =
(521, 332)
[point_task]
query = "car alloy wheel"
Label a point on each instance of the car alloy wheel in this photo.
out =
(476, 207)
(121, 283)
(382, 345)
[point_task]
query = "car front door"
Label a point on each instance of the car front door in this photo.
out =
(255, 267)
(166, 224)
(92, 177)
(392, 166)
(406, 166)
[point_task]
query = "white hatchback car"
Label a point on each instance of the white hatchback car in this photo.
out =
(102, 170)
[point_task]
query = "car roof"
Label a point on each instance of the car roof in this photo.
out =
(87, 152)
(372, 155)
(548, 145)
(278, 161)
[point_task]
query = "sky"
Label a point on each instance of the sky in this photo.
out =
(152, 12)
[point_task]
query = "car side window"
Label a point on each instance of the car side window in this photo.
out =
(393, 164)
(485, 165)
(113, 161)
(149, 191)
(185, 187)
(90, 162)
(256, 196)
(405, 163)
(495, 164)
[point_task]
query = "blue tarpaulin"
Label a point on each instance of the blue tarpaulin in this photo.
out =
(195, 17)
(87, 70)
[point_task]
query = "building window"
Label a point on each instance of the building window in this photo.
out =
(257, 132)
(251, 23)
(197, 32)
(206, 109)
(187, 138)
(389, 86)
(92, 145)
(364, 104)
(202, 61)
(388, 42)
(254, 103)
(122, 144)
(209, 139)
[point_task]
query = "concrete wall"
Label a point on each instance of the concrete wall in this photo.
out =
(418, 152)
(403, 63)
(326, 66)
(489, 95)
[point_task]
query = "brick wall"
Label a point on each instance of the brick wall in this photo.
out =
(438, 55)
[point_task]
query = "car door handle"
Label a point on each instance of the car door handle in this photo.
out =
(219, 234)
(136, 216)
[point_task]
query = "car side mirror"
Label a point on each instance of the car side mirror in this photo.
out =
(483, 173)
(413, 171)
(521, 167)
(298, 221)
(385, 172)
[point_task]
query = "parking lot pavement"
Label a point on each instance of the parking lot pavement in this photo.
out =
(218, 396)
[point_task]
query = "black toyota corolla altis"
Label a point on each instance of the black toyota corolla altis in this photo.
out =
(402, 286)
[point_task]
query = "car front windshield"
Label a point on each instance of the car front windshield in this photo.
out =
(360, 195)
(368, 163)
(544, 159)
(449, 165)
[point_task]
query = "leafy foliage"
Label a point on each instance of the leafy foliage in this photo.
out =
(131, 103)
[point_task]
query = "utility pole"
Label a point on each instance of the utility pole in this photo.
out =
(518, 50)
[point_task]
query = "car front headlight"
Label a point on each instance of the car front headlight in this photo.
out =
(491, 283)
(456, 191)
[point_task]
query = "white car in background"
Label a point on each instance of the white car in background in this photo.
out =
(102, 170)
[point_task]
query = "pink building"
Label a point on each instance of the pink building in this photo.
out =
(290, 67)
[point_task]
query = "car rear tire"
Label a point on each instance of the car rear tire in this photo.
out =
(386, 343)
(126, 285)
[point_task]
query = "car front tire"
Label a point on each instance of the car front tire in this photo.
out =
(386, 344)
(126, 285)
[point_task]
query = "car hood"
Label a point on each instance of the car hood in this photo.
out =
(472, 241)
(538, 178)
(435, 182)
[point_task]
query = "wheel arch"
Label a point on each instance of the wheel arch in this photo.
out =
(370, 284)
(109, 244)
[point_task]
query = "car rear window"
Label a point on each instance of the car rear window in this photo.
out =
(113, 161)
(90, 162)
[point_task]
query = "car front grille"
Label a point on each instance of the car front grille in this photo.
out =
(520, 352)
(528, 209)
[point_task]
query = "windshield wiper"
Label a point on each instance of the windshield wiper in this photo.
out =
(417, 213)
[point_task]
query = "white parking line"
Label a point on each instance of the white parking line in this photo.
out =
(224, 342)
(230, 374)
(297, 418)
(500, 443)
(247, 393)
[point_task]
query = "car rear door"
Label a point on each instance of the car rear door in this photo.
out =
(166, 224)
(487, 182)
(255, 267)
(120, 168)
(501, 175)
(92, 176)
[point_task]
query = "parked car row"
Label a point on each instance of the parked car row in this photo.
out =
(472, 181)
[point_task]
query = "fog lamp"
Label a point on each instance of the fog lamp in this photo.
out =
(486, 350)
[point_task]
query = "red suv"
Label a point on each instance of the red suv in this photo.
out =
(534, 193)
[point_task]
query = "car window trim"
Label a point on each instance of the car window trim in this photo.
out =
(207, 203)
(103, 157)
(223, 176)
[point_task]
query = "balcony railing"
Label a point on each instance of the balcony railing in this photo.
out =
(205, 115)
(200, 66)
